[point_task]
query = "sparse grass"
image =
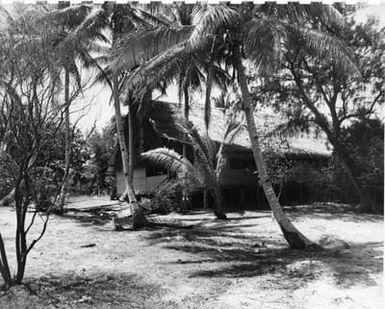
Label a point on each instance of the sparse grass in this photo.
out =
(241, 263)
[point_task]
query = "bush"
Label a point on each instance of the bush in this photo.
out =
(166, 200)
(364, 141)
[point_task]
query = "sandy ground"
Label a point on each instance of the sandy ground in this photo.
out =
(240, 263)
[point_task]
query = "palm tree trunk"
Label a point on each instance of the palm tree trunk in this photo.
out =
(67, 142)
(209, 83)
(184, 146)
(219, 211)
(138, 218)
(131, 154)
(129, 192)
(219, 208)
(205, 206)
(294, 237)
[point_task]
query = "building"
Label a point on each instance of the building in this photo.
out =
(239, 178)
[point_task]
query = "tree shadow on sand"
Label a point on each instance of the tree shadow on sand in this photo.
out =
(73, 291)
(228, 252)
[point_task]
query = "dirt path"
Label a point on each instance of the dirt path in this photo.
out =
(241, 263)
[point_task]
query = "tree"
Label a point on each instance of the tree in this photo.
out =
(33, 119)
(317, 91)
(364, 141)
(101, 146)
(207, 169)
(255, 33)
(124, 19)
(279, 165)
(73, 34)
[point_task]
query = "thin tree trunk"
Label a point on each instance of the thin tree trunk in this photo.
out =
(219, 208)
(20, 241)
(4, 266)
(294, 237)
(130, 153)
(129, 191)
(67, 143)
(184, 146)
(138, 218)
(219, 211)
(137, 215)
(278, 198)
(208, 88)
(205, 199)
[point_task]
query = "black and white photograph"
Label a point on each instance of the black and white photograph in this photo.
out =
(192, 155)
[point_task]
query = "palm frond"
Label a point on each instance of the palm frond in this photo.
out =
(101, 49)
(103, 77)
(151, 19)
(301, 13)
(221, 78)
(88, 61)
(73, 69)
(173, 161)
(7, 14)
(91, 28)
(142, 45)
(131, 14)
(177, 64)
(204, 147)
(263, 42)
(143, 74)
(327, 48)
(209, 19)
(71, 16)
(232, 130)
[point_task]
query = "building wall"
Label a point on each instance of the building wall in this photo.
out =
(142, 184)
(238, 177)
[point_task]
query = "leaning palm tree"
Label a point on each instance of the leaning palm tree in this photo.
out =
(206, 171)
(258, 34)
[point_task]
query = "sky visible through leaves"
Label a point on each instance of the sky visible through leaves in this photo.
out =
(94, 108)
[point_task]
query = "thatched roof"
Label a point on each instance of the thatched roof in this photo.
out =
(158, 127)
(300, 144)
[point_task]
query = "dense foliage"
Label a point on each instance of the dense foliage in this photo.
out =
(364, 140)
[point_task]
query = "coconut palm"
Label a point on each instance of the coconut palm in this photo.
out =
(185, 68)
(120, 20)
(256, 33)
(73, 32)
(206, 171)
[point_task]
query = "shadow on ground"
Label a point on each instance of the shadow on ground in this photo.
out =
(225, 251)
(71, 291)
(331, 211)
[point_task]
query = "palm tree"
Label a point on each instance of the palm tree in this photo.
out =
(73, 33)
(189, 69)
(207, 169)
(258, 35)
(124, 19)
